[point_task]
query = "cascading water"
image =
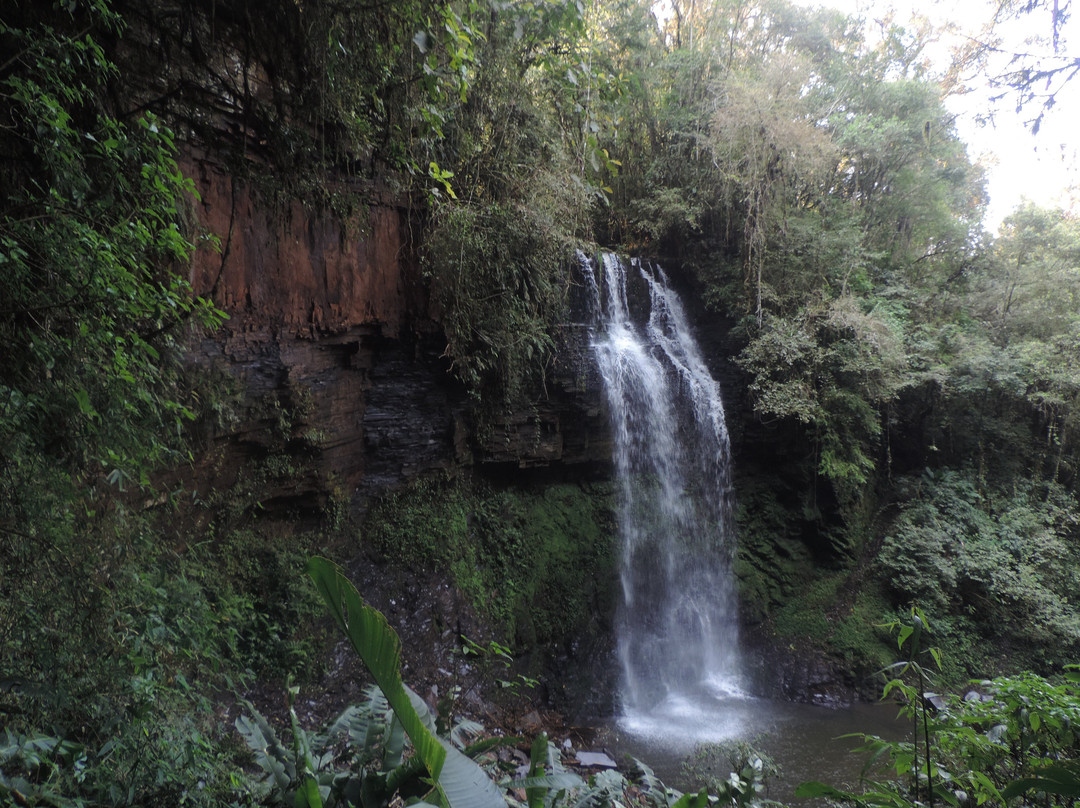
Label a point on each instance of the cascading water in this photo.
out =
(677, 627)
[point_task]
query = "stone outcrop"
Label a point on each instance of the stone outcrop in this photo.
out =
(303, 270)
(339, 356)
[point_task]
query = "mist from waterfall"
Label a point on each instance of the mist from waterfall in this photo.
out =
(677, 636)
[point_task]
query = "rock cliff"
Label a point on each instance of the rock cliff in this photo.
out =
(338, 354)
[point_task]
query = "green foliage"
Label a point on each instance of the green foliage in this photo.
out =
(356, 760)
(254, 571)
(495, 656)
(495, 272)
(516, 166)
(535, 562)
(455, 780)
(126, 716)
(1005, 560)
(815, 185)
(360, 758)
(771, 561)
(110, 648)
(380, 649)
(829, 615)
(1011, 740)
(732, 773)
(93, 310)
(832, 368)
(117, 636)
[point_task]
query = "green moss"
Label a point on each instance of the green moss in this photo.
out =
(806, 617)
(772, 564)
(567, 540)
(536, 561)
(845, 623)
(859, 637)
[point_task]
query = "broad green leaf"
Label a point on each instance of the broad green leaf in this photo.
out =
(903, 634)
(813, 789)
(466, 785)
(537, 758)
(380, 649)
(698, 800)
(307, 796)
(548, 782)
(480, 747)
(1059, 779)
(936, 654)
(270, 754)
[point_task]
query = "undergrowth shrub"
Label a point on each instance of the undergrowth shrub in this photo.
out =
(1012, 740)
(1005, 563)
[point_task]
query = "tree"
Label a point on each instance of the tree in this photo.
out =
(92, 231)
(94, 317)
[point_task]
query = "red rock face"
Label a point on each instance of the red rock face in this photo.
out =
(341, 362)
(303, 270)
(318, 310)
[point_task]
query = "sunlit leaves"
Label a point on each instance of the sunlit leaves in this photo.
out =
(829, 368)
(87, 235)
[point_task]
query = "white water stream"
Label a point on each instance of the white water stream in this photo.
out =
(677, 635)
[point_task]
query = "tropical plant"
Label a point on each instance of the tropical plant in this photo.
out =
(496, 660)
(1000, 561)
(454, 780)
(1010, 738)
(357, 760)
(732, 773)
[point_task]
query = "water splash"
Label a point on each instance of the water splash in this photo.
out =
(677, 625)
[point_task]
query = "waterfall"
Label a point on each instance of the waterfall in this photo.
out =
(676, 627)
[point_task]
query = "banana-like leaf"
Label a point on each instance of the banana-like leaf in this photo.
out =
(651, 786)
(462, 731)
(270, 754)
(460, 782)
(691, 800)
(394, 745)
(380, 649)
(308, 796)
(604, 790)
(537, 757)
(421, 709)
(549, 782)
(366, 736)
(302, 743)
(1059, 779)
(813, 789)
(554, 759)
(410, 770)
(480, 747)
(466, 785)
(352, 718)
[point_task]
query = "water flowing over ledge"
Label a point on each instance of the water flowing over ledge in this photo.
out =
(677, 626)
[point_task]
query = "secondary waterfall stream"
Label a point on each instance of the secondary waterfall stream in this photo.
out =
(677, 635)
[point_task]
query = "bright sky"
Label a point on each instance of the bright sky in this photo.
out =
(1044, 168)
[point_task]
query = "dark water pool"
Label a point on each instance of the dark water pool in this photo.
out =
(805, 741)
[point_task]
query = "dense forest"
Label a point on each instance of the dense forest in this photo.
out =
(904, 386)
